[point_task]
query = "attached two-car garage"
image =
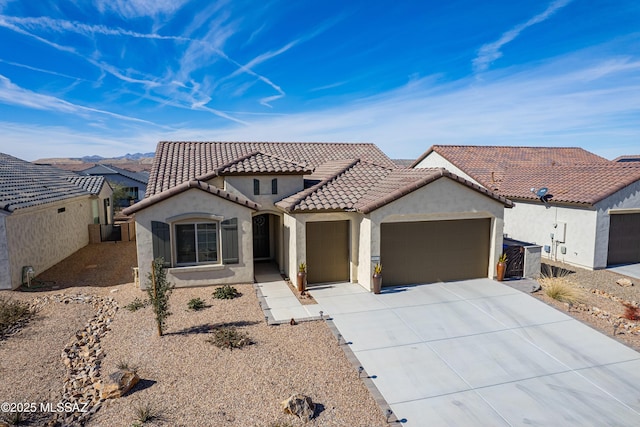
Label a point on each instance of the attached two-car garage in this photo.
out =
(434, 251)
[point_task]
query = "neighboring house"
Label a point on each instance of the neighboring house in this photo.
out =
(590, 216)
(134, 184)
(215, 208)
(628, 159)
(44, 216)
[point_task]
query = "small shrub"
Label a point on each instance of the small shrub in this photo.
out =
(136, 304)
(560, 290)
(14, 418)
(12, 312)
(196, 304)
(124, 366)
(146, 413)
(229, 337)
(631, 312)
(226, 292)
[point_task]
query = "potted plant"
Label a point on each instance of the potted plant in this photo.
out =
(501, 267)
(377, 278)
(302, 277)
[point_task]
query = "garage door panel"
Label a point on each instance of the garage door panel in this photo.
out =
(327, 251)
(624, 239)
(432, 251)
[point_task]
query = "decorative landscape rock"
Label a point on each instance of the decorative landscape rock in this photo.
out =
(624, 282)
(82, 358)
(118, 383)
(300, 405)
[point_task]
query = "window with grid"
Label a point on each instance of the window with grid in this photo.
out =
(196, 243)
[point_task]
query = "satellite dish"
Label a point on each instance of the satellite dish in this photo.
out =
(542, 192)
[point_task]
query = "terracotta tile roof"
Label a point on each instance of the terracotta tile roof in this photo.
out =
(188, 185)
(403, 163)
(513, 171)
(569, 184)
(486, 164)
(24, 184)
(362, 186)
(260, 163)
(178, 162)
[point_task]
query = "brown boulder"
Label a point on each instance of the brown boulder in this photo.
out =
(118, 383)
(300, 405)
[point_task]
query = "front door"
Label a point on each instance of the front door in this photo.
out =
(261, 247)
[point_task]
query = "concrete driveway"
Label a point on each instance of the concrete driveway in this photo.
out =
(479, 353)
(631, 270)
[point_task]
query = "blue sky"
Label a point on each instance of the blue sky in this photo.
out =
(109, 77)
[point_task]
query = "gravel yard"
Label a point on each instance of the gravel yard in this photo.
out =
(185, 380)
(600, 301)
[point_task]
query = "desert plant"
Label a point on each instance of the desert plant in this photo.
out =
(124, 366)
(631, 312)
(502, 258)
(377, 269)
(196, 304)
(14, 418)
(159, 290)
(226, 292)
(12, 312)
(145, 413)
(229, 337)
(302, 268)
(560, 290)
(136, 304)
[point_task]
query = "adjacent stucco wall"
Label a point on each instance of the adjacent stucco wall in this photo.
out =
(195, 201)
(105, 193)
(443, 199)
(41, 237)
(296, 226)
(5, 270)
(626, 199)
(534, 223)
(243, 185)
(435, 160)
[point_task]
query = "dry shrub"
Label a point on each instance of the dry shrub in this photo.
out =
(11, 313)
(560, 290)
(631, 312)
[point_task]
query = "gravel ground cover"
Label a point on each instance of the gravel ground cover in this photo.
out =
(186, 380)
(600, 301)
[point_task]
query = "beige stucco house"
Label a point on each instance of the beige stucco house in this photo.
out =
(44, 216)
(213, 209)
(590, 214)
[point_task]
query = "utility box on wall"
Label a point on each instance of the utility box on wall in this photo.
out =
(560, 231)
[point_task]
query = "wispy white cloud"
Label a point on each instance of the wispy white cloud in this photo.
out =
(42, 70)
(491, 51)
(12, 94)
(329, 86)
(139, 8)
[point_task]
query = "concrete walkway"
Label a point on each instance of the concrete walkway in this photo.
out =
(631, 270)
(277, 300)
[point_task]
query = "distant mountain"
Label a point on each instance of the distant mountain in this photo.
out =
(134, 162)
(128, 156)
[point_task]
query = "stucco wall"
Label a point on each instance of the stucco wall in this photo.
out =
(627, 198)
(41, 237)
(534, 223)
(297, 230)
(243, 185)
(443, 199)
(196, 201)
(5, 270)
(435, 160)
